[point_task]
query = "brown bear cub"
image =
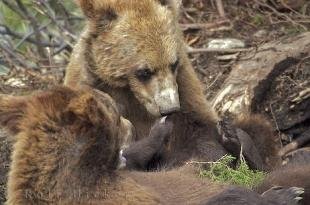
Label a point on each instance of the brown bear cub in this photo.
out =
(134, 51)
(296, 172)
(67, 152)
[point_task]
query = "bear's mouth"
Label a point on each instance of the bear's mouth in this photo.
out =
(167, 101)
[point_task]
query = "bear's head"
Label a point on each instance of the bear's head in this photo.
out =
(80, 121)
(136, 44)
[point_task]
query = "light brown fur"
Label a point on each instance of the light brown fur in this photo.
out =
(151, 36)
(123, 37)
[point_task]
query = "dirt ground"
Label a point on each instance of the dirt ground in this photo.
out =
(253, 24)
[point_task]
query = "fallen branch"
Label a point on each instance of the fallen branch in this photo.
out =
(299, 142)
(4, 30)
(220, 8)
(281, 15)
(302, 95)
(13, 55)
(35, 26)
(197, 26)
(252, 75)
(217, 50)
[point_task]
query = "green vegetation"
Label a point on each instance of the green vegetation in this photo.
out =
(37, 35)
(54, 19)
(221, 172)
(258, 20)
(294, 30)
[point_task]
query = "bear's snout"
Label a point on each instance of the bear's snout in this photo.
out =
(168, 101)
(169, 111)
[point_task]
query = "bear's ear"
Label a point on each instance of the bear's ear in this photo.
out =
(86, 106)
(173, 4)
(11, 112)
(98, 9)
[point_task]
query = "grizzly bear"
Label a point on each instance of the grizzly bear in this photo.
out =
(66, 151)
(133, 50)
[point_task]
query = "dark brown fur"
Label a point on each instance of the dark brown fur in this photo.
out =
(289, 176)
(67, 152)
(141, 155)
(295, 173)
(254, 133)
(265, 140)
(9, 112)
(120, 38)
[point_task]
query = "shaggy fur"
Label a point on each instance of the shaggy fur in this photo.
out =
(145, 34)
(295, 173)
(264, 139)
(124, 37)
(67, 152)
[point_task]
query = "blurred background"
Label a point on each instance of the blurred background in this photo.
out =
(37, 36)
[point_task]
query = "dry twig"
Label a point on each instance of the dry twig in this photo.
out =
(222, 50)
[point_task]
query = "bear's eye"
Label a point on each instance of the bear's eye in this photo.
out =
(144, 74)
(107, 17)
(163, 2)
(174, 66)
